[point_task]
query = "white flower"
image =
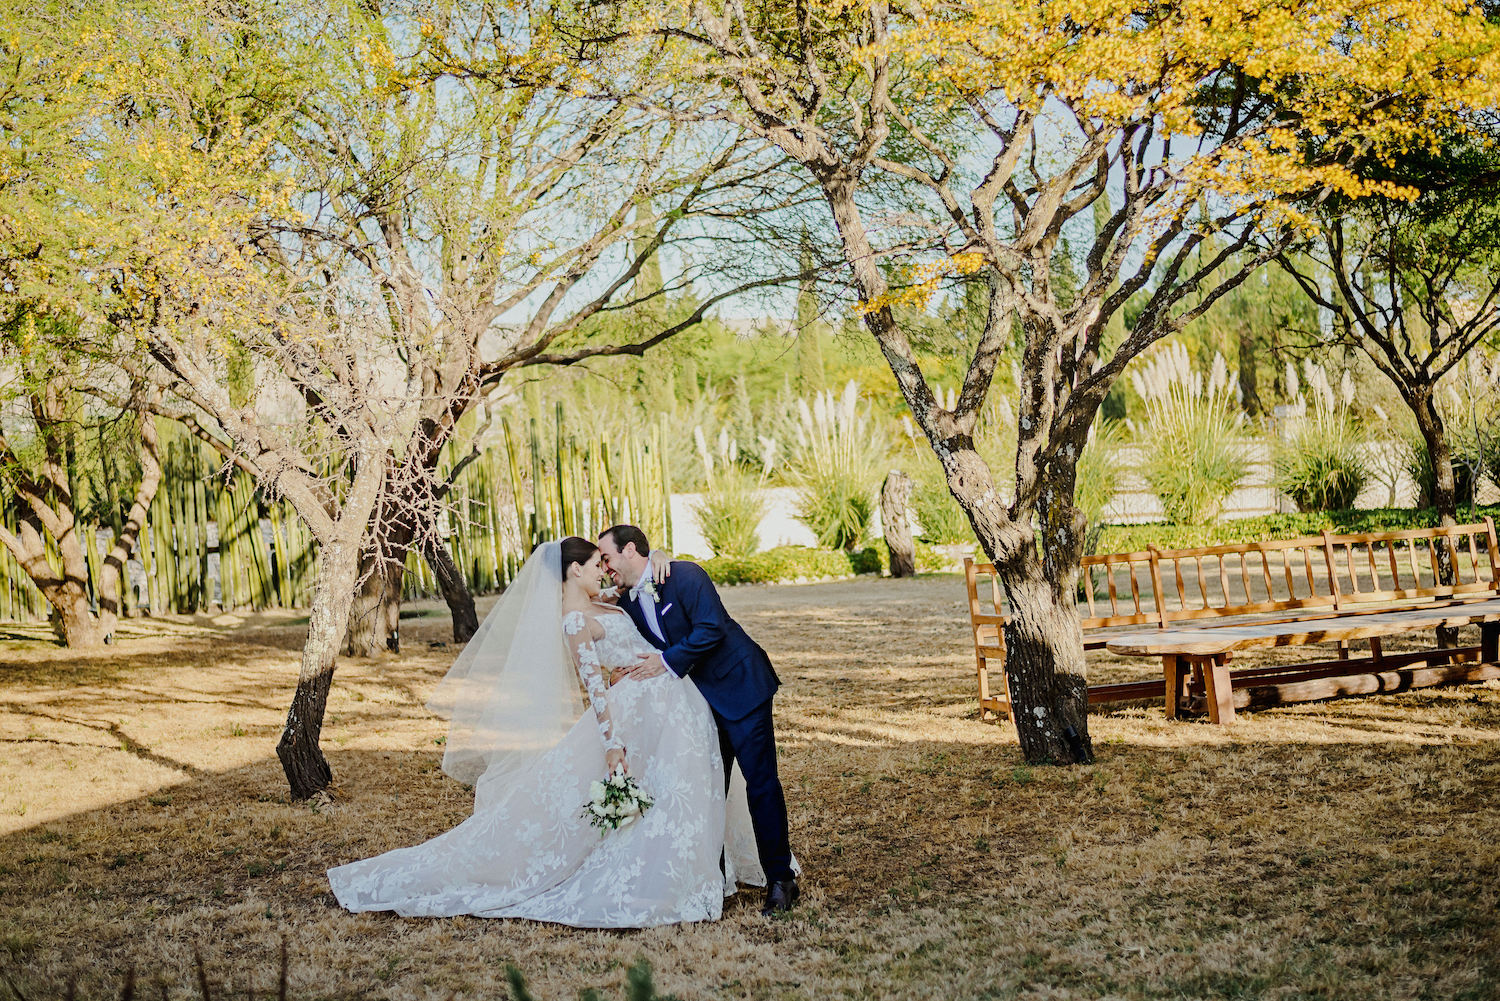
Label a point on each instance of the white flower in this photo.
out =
(596, 791)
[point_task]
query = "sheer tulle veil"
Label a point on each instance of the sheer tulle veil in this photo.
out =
(512, 694)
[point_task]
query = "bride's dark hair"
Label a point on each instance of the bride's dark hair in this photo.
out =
(575, 550)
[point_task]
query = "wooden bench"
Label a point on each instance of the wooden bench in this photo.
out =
(1317, 589)
(987, 619)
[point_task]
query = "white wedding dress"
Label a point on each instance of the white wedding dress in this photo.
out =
(527, 851)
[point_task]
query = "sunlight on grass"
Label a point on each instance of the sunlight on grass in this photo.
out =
(1333, 850)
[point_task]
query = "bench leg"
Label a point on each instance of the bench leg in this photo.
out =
(1376, 651)
(1218, 690)
(1489, 642)
(1175, 673)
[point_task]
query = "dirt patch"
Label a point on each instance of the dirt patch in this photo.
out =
(1335, 850)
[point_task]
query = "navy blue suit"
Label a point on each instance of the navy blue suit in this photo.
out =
(700, 641)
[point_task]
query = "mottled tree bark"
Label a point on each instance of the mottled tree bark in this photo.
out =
(895, 521)
(454, 588)
(307, 770)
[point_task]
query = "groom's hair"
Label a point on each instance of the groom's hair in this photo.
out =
(621, 535)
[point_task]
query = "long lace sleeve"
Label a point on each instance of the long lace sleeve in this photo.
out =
(581, 634)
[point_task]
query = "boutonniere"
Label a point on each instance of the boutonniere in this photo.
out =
(646, 586)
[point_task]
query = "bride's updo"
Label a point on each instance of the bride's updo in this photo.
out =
(575, 550)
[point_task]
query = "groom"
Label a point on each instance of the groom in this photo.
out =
(687, 622)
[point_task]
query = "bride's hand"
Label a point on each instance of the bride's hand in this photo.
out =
(617, 675)
(614, 760)
(661, 566)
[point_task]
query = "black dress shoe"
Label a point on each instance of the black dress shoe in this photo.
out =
(780, 896)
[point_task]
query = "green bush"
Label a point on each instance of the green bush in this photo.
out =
(837, 458)
(1193, 445)
(1464, 460)
(941, 519)
(1319, 465)
(789, 563)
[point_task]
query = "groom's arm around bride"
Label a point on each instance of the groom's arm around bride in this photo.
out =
(685, 619)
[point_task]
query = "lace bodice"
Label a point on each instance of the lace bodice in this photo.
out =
(601, 643)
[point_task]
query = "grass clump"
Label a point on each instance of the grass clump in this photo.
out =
(732, 507)
(1192, 439)
(1319, 464)
(837, 458)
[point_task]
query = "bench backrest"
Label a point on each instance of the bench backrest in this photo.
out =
(1314, 573)
(1324, 572)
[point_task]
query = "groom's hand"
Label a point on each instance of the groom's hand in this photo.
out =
(649, 665)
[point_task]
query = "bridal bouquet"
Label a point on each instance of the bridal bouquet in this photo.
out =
(615, 803)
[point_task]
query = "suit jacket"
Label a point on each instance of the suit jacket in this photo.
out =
(703, 643)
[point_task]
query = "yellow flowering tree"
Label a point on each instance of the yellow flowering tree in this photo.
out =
(974, 139)
(321, 238)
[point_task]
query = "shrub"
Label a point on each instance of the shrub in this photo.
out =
(1098, 477)
(837, 458)
(1320, 464)
(1135, 538)
(1193, 442)
(941, 519)
(790, 563)
(732, 506)
(1419, 467)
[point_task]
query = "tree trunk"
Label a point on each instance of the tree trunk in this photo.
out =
(895, 520)
(113, 575)
(302, 760)
(1044, 665)
(455, 589)
(1444, 491)
(1249, 383)
(73, 619)
(375, 613)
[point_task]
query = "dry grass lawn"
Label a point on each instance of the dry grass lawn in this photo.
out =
(1337, 850)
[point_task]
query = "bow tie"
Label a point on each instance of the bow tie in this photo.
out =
(644, 586)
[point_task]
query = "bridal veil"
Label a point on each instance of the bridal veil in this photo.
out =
(513, 693)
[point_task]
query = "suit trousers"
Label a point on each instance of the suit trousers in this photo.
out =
(752, 742)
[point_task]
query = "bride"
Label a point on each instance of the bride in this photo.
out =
(527, 851)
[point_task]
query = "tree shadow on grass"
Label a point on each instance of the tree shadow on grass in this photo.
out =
(1225, 865)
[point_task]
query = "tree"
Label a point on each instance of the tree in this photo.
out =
(452, 168)
(962, 140)
(1414, 283)
(70, 380)
(42, 444)
(324, 247)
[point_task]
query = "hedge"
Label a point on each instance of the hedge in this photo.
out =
(786, 564)
(790, 563)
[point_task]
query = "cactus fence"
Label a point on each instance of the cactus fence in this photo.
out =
(213, 541)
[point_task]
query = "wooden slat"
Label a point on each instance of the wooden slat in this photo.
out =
(1204, 641)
